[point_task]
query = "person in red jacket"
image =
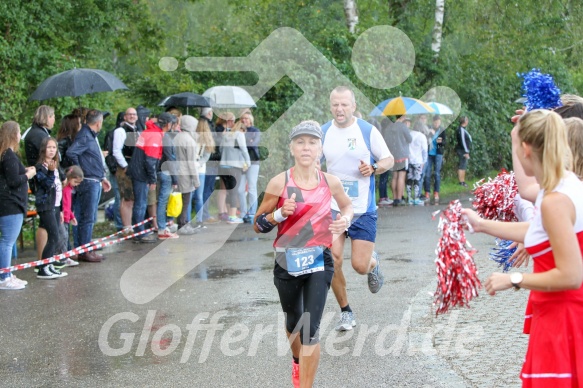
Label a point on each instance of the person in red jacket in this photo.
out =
(144, 164)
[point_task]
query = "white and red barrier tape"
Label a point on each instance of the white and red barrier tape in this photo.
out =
(81, 249)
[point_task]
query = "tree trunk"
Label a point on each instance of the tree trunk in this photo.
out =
(351, 13)
(438, 27)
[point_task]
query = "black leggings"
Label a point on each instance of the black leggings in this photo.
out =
(302, 300)
(231, 177)
(48, 221)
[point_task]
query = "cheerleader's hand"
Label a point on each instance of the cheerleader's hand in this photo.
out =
(473, 220)
(519, 257)
(497, 282)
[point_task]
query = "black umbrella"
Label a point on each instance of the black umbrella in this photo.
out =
(186, 99)
(77, 82)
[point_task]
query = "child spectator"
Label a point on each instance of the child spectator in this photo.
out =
(74, 176)
(417, 158)
(46, 181)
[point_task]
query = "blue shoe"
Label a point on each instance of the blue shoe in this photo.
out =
(234, 220)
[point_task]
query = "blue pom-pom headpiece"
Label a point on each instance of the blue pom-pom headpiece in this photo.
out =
(540, 90)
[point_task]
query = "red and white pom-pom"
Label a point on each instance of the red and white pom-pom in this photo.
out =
(494, 200)
(457, 275)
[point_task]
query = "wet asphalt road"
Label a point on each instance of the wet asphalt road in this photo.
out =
(202, 311)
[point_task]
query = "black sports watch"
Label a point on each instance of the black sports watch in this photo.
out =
(375, 166)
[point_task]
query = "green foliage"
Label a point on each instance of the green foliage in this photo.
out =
(485, 43)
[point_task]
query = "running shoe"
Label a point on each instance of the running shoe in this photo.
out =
(10, 284)
(295, 374)
(234, 220)
(385, 202)
(375, 277)
(418, 202)
(346, 322)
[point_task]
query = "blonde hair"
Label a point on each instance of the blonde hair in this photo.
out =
(205, 135)
(575, 138)
(9, 136)
(546, 133)
(42, 114)
(570, 99)
(248, 114)
(239, 127)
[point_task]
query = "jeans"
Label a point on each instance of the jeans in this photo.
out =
(140, 203)
(10, 229)
(198, 198)
(249, 178)
(434, 162)
(165, 181)
(87, 199)
(209, 187)
(116, 214)
(383, 183)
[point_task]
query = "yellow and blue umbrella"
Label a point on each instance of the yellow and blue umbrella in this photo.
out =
(400, 106)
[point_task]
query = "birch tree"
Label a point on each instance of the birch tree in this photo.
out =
(351, 14)
(437, 28)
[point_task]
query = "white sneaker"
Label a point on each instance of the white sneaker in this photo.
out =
(17, 280)
(10, 284)
(71, 263)
(187, 229)
(386, 202)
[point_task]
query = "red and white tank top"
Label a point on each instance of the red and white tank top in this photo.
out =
(537, 242)
(308, 226)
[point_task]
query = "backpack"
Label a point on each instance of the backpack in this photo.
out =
(108, 146)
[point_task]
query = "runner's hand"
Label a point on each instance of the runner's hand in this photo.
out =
(339, 225)
(365, 169)
(289, 206)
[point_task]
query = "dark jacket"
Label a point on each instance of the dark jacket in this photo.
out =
(147, 154)
(13, 185)
(464, 141)
(253, 137)
(64, 145)
(85, 153)
(46, 192)
(168, 155)
(32, 143)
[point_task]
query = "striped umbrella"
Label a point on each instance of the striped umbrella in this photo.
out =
(440, 109)
(401, 105)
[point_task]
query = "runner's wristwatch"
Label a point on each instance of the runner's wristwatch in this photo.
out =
(516, 279)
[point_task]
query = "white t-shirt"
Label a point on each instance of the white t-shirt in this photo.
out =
(418, 148)
(343, 149)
